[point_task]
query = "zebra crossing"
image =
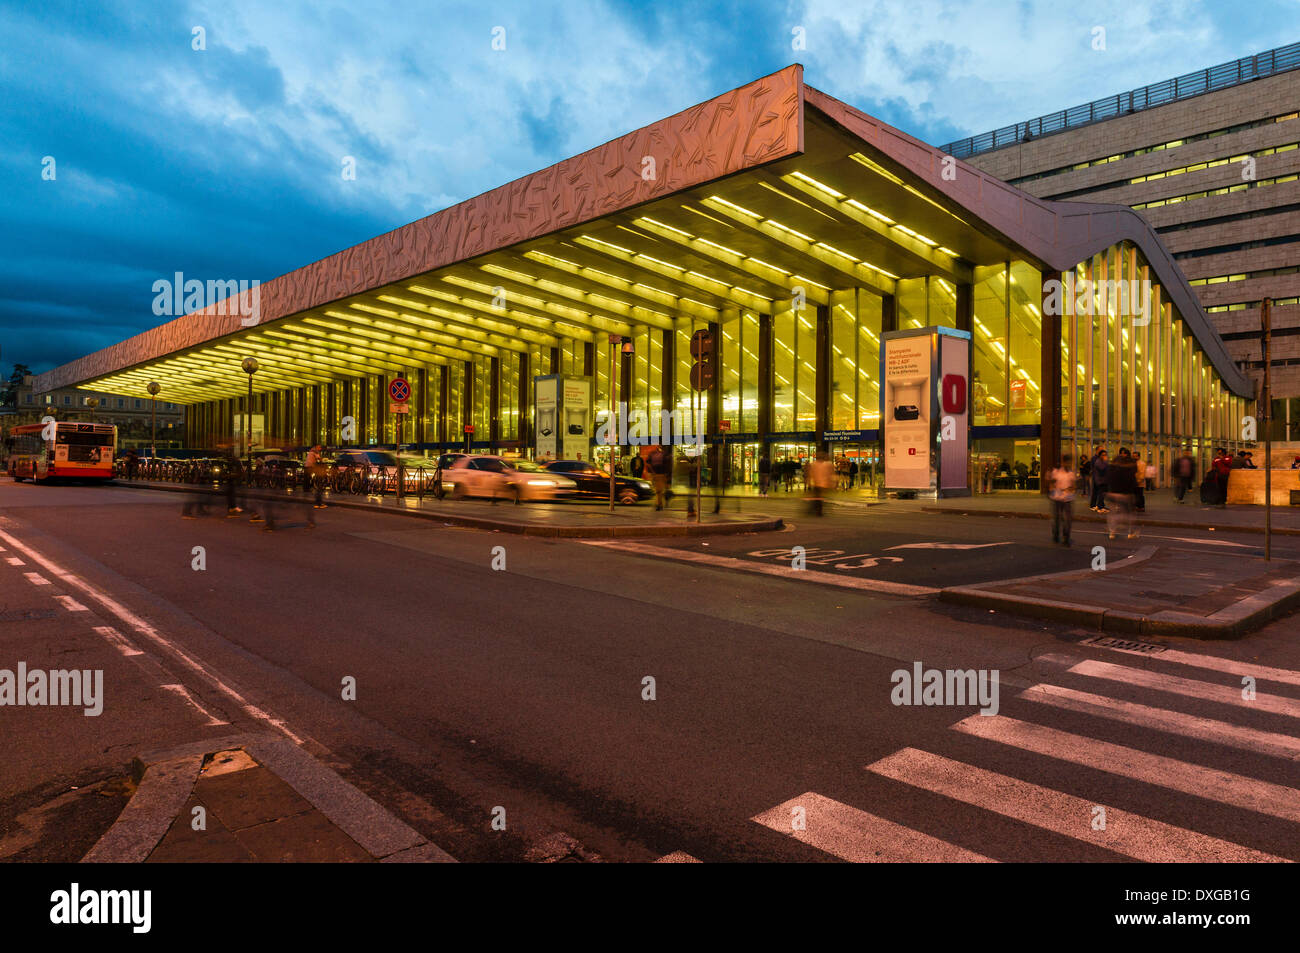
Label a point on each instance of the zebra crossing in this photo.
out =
(1167, 685)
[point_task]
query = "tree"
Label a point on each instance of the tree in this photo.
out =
(10, 391)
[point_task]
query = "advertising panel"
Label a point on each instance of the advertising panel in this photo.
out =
(954, 407)
(546, 405)
(576, 418)
(906, 410)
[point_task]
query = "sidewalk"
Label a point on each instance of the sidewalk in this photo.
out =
(1153, 592)
(253, 799)
(567, 519)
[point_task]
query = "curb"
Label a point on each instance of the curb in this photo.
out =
(1139, 520)
(167, 778)
(736, 528)
(1232, 622)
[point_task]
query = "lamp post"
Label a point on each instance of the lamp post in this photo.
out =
(92, 403)
(250, 368)
(153, 390)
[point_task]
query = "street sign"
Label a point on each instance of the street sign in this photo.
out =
(399, 389)
(724, 425)
(469, 428)
(402, 408)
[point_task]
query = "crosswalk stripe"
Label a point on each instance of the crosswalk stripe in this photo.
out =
(1190, 687)
(1230, 666)
(1129, 834)
(1162, 719)
(854, 835)
(1262, 797)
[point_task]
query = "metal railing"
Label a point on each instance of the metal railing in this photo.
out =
(354, 480)
(1223, 76)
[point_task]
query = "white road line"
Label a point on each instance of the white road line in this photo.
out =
(1214, 663)
(785, 572)
(36, 579)
(1129, 834)
(71, 604)
(1262, 797)
(857, 836)
(184, 693)
(1172, 722)
(1188, 687)
(14, 561)
(150, 633)
(118, 640)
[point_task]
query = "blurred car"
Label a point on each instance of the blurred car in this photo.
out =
(496, 478)
(593, 482)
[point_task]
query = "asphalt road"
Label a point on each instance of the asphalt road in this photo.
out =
(524, 688)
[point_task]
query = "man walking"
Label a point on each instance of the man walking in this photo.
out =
(764, 473)
(1100, 475)
(316, 474)
(1184, 472)
(660, 465)
(1061, 483)
(1121, 492)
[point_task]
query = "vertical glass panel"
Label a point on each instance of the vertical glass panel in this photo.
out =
(482, 396)
(870, 315)
(654, 371)
(943, 303)
(1025, 361)
(748, 422)
(783, 344)
(730, 369)
(911, 298)
(989, 372)
(844, 336)
(508, 409)
(806, 370)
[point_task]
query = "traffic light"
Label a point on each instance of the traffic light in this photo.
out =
(702, 370)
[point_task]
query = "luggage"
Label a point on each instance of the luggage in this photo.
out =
(1210, 489)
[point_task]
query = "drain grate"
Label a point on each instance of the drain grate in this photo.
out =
(26, 615)
(1124, 645)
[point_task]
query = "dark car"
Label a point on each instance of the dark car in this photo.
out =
(593, 482)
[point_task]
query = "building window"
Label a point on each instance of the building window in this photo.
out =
(121, 403)
(137, 404)
(67, 400)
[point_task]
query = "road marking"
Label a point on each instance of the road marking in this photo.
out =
(14, 561)
(184, 693)
(36, 579)
(1214, 663)
(71, 604)
(1161, 719)
(1132, 835)
(1189, 687)
(1261, 797)
(744, 565)
(857, 836)
(946, 546)
(118, 640)
(150, 633)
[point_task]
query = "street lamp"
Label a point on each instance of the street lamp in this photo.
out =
(153, 390)
(250, 368)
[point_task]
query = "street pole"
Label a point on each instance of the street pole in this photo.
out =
(249, 365)
(153, 390)
(614, 341)
(1268, 433)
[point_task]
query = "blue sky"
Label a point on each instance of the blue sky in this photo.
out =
(226, 162)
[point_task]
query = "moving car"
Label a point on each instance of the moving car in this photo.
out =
(497, 478)
(593, 482)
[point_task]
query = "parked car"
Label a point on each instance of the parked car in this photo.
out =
(593, 482)
(497, 478)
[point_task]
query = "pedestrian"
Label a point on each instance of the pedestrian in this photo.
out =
(1250, 461)
(1140, 474)
(132, 463)
(1085, 476)
(1184, 472)
(636, 466)
(316, 475)
(764, 473)
(1061, 483)
(1022, 475)
(660, 465)
(1295, 464)
(853, 473)
(231, 472)
(1121, 493)
(819, 480)
(1100, 473)
(687, 467)
(1223, 467)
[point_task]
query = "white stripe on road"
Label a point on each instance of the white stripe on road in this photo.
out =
(36, 579)
(1214, 663)
(1189, 687)
(184, 693)
(1262, 797)
(857, 836)
(1161, 719)
(1129, 834)
(14, 561)
(71, 604)
(151, 633)
(117, 640)
(785, 572)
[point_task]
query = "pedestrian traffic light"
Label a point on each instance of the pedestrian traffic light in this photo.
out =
(626, 344)
(702, 370)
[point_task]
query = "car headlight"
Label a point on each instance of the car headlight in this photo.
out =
(541, 483)
(643, 484)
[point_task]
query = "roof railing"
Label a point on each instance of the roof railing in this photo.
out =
(1223, 76)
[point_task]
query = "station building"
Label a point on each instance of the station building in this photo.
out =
(797, 229)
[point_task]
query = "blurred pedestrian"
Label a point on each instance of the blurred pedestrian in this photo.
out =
(1100, 477)
(1184, 472)
(1140, 482)
(315, 466)
(132, 463)
(765, 473)
(1121, 493)
(687, 468)
(819, 480)
(1061, 483)
(660, 466)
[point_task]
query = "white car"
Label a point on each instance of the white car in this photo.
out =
(497, 478)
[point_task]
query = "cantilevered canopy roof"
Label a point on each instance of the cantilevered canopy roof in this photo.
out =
(734, 203)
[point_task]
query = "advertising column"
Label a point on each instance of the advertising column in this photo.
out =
(563, 423)
(906, 416)
(954, 407)
(546, 427)
(577, 418)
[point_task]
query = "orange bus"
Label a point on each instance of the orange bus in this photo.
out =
(78, 451)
